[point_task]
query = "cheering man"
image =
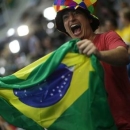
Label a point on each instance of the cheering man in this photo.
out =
(74, 19)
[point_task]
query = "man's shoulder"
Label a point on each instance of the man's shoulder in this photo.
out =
(109, 33)
(108, 36)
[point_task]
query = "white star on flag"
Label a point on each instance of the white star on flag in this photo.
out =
(64, 83)
(52, 94)
(59, 91)
(62, 76)
(40, 88)
(60, 95)
(66, 79)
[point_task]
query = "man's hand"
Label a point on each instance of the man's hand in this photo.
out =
(117, 57)
(88, 48)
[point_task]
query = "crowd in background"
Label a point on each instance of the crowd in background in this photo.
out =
(118, 21)
(5, 126)
(39, 42)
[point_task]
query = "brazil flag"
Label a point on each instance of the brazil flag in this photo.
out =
(61, 91)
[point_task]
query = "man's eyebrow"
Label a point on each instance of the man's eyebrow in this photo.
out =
(66, 12)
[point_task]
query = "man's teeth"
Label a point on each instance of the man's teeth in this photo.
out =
(74, 25)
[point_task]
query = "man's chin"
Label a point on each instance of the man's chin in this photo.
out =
(82, 38)
(78, 37)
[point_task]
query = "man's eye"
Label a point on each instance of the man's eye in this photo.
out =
(65, 17)
(76, 12)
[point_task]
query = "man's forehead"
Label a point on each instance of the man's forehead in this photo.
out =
(66, 11)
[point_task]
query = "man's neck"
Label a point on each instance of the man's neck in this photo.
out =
(91, 36)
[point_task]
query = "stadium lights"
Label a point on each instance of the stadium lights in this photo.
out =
(23, 30)
(49, 13)
(14, 46)
(50, 25)
(2, 70)
(10, 32)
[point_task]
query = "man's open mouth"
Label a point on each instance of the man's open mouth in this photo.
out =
(76, 29)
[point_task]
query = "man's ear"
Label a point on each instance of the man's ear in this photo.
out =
(66, 33)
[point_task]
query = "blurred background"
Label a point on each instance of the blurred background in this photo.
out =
(27, 32)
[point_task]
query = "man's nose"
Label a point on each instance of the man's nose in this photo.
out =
(72, 17)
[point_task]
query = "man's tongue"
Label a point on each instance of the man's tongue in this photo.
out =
(77, 31)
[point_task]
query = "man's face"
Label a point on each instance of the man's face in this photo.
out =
(76, 24)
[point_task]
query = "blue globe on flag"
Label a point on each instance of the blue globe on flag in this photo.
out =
(48, 92)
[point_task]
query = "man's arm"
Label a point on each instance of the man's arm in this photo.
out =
(117, 57)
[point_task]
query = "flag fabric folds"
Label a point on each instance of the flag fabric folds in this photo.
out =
(61, 91)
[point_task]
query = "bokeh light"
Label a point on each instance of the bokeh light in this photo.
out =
(49, 13)
(23, 30)
(2, 70)
(10, 32)
(14, 46)
(50, 25)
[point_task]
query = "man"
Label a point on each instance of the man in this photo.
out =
(74, 19)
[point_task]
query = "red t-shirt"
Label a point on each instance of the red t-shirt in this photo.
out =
(116, 81)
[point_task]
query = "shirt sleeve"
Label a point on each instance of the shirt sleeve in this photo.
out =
(113, 40)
